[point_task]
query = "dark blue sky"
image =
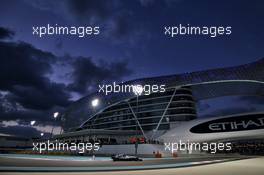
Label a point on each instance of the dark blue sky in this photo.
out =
(131, 45)
(137, 32)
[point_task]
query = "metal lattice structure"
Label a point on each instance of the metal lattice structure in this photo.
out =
(157, 111)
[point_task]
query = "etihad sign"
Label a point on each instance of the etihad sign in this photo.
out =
(237, 123)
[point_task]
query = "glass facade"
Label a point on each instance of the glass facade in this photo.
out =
(238, 80)
(173, 105)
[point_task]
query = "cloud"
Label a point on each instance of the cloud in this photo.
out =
(29, 89)
(9, 112)
(113, 17)
(146, 3)
(22, 131)
(59, 44)
(40, 99)
(12, 126)
(6, 33)
(9, 123)
(87, 12)
(86, 73)
(24, 72)
(91, 11)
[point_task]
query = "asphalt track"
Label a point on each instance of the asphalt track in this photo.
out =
(38, 163)
(252, 166)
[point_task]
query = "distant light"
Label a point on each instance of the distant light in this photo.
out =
(32, 122)
(56, 114)
(41, 134)
(95, 102)
(138, 89)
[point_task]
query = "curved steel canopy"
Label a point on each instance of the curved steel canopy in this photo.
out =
(245, 79)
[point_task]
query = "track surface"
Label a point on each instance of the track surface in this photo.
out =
(252, 166)
(63, 161)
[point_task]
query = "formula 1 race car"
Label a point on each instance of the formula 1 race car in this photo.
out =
(124, 157)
